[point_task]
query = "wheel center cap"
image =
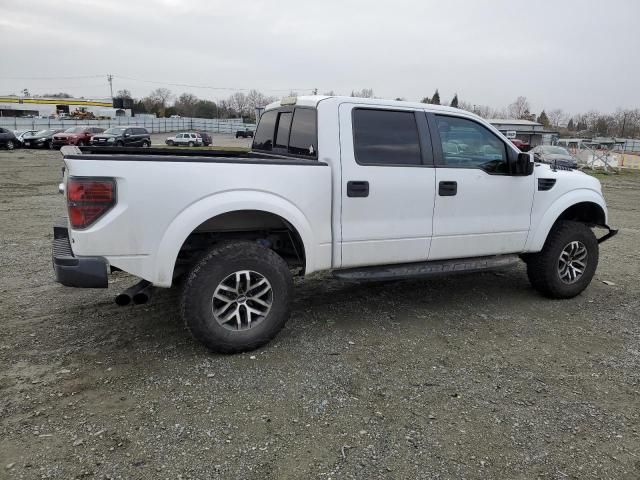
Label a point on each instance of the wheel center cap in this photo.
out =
(241, 299)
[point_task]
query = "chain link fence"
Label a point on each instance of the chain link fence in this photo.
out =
(153, 125)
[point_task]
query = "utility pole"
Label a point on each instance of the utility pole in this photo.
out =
(110, 80)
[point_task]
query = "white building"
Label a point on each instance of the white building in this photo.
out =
(14, 106)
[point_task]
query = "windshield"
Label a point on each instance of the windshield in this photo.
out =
(45, 132)
(555, 151)
(114, 131)
(74, 130)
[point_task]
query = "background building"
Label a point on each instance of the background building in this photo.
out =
(533, 133)
(14, 106)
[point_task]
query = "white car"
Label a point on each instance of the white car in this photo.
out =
(369, 189)
(20, 134)
(186, 139)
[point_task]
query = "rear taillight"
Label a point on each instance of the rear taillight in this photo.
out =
(88, 199)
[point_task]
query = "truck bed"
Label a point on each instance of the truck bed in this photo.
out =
(136, 154)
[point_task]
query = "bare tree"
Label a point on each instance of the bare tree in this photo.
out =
(186, 104)
(519, 109)
(124, 93)
(557, 117)
(161, 96)
(238, 102)
(364, 93)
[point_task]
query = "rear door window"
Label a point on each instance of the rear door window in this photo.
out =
(386, 137)
(304, 136)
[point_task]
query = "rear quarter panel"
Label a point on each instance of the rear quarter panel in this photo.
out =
(161, 203)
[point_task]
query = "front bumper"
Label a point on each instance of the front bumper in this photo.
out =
(72, 271)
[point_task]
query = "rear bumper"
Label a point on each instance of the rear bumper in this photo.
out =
(72, 271)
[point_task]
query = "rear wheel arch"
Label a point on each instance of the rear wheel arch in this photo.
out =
(267, 228)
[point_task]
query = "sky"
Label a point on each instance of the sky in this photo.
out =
(574, 55)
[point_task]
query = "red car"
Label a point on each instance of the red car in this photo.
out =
(522, 145)
(75, 136)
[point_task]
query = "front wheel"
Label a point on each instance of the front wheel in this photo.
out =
(237, 297)
(10, 145)
(567, 263)
(145, 144)
(119, 144)
(190, 144)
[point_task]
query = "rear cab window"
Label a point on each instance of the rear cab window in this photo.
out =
(288, 131)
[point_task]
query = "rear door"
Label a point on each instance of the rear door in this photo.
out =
(388, 185)
(480, 209)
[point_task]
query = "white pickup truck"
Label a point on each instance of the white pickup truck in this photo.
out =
(369, 189)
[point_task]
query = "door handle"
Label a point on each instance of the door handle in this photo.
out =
(357, 188)
(447, 188)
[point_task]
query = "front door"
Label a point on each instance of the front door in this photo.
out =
(480, 209)
(387, 182)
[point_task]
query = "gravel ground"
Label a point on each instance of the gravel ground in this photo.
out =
(474, 376)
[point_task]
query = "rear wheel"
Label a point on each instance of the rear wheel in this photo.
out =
(190, 144)
(48, 145)
(146, 144)
(237, 297)
(170, 143)
(567, 263)
(119, 144)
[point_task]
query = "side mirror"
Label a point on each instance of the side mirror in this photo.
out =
(524, 164)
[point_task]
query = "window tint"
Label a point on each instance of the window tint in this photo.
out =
(303, 139)
(263, 139)
(282, 132)
(468, 144)
(385, 137)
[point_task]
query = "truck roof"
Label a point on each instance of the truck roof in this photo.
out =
(314, 100)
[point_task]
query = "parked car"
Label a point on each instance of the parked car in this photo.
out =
(360, 187)
(188, 139)
(244, 133)
(521, 144)
(206, 138)
(76, 136)
(41, 139)
(19, 134)
(8, 139)
(552, 154)
(122, 137)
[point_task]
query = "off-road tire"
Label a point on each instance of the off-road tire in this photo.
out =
(211, 269)
(542, 267)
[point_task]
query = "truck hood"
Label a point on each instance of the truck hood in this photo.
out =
(568, 179)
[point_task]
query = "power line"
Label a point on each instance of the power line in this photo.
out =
(206, 86)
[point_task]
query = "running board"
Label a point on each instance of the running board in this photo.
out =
(427, 269)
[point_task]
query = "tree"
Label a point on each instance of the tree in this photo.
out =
(435, 100)
(425, 100)
(543, 119)
(206, 109)
(519, 109)
(238, 102)
(158, 100)
(256, 99)
(454, 101)
(186, 105)
(557, 117)
(124, 93)
(570, 126)
(364, 93)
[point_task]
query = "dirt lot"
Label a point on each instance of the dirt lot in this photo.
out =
(473, 376)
